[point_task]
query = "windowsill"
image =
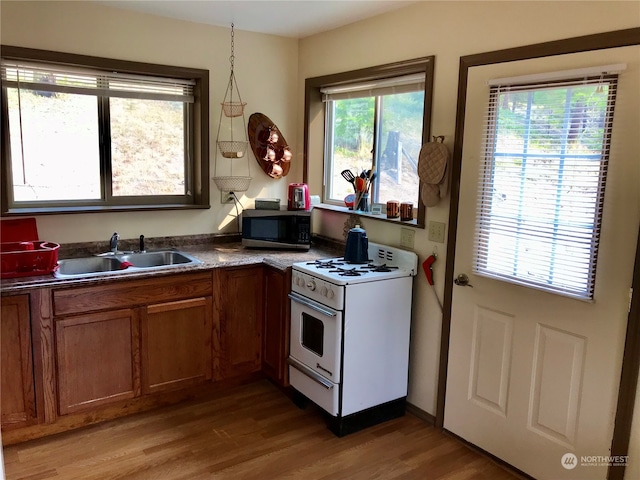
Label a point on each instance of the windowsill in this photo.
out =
(97, 209)
(382, 217)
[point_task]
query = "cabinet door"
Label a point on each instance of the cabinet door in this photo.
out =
(97, 359)
(18, 405)
(176, 344)
(238, 310)
(275, 335)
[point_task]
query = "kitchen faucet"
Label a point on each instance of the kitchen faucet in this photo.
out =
(113, 242)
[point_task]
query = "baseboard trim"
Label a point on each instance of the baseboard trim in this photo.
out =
(421, 414)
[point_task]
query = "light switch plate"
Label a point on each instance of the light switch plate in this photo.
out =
(407, 237)
(436, 232)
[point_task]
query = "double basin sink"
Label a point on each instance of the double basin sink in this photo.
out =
(122, 262)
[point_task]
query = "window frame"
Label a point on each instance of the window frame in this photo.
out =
(196, 139)
(315, 106)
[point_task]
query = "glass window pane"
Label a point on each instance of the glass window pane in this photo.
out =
(352, 142)
(543, 186)
(147, 147)
(400, 143)
(54, 146)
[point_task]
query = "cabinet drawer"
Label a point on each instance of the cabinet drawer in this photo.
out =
(131, 293)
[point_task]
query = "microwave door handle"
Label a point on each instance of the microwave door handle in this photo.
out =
(300, 299)
(316, 377)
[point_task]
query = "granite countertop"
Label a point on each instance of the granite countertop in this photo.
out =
(213, 254)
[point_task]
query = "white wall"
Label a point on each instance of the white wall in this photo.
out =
(447, 30)
(265, 68)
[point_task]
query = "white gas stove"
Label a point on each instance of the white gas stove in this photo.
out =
(320, 280)
(349, 343)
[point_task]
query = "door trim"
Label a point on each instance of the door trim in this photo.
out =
(628, 377)
(627, 390)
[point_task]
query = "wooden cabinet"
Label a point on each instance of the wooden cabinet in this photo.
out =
(238, 306)
(112, 348)
(176, 344)
(97, 356)
(275, 335)
(129, 338)
(18, 396)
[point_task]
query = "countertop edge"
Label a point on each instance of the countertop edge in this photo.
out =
(214, 256)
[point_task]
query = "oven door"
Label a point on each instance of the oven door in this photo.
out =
(316, 336)
(314, 362)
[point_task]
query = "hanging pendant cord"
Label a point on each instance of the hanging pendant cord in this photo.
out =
(231, 59)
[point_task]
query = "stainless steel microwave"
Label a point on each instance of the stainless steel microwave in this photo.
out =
(276, 229)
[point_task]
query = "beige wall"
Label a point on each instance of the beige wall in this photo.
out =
(265, 68)
(447, 30)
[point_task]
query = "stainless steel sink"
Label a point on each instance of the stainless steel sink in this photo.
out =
(80, 266)
(122, 263)
(156, 259)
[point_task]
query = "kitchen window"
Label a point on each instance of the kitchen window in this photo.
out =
(542, 186)
(378, 117)
(90, 134)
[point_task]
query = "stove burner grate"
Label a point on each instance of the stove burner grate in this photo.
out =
(326, 263)
(349, 272)
(380, 268)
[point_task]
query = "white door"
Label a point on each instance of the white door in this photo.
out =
(533, 376)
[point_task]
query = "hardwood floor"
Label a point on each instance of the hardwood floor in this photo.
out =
(253, 432)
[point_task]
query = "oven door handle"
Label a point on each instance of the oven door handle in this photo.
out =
(316, 377)
(300, 299)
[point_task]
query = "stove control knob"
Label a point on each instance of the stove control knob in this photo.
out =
(323, 291)
(330, 294)
(311, 285)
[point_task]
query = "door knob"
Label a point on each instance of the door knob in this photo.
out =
(462, 280)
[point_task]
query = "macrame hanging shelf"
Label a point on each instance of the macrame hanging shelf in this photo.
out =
(231, 148)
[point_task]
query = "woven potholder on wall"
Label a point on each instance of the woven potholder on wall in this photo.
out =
(433, 171)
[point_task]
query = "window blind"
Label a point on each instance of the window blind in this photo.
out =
(561, 75)
(388, 86)
(44, 77)
(542, 183)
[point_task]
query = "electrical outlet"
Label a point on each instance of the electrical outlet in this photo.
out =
(225, 197)
(436, 232)
(407, 237)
